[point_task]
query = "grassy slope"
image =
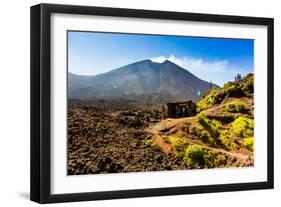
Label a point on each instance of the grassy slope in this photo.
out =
(221, 134)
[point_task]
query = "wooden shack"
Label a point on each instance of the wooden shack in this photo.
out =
(181, 109)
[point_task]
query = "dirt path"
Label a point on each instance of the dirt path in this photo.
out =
(167, 123)
(160, 142)
(171, 123)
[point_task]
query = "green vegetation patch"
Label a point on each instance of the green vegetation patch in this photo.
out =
(249, 143)
(230, 89)
(227, 140)
(237, 106)
(217, 134)
(223, 118)
(194, 156)
(198, 131)
(207, 100)
(197, 157)
(243, 127)
(249, 84)
(178, 145)
(148, 141)
(234, 90)
(209, 125)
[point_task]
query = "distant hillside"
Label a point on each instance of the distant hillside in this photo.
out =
(144, 80)
(243, 89)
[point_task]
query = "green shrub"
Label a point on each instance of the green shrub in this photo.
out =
(179, 150)
(194, 156)
(198, 131)
(204, 136)
(236, 107)
(227, 140)
(249, 84)
(230, 108)
(148, 141)
(234, 90)
(219, 97)
(241, 107)
(208, 125)
(243, 127)
(224, 118)
(249, 143)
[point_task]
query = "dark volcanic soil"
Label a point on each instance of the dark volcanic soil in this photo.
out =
(103, 139)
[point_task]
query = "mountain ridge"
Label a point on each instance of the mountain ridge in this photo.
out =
(145, 77)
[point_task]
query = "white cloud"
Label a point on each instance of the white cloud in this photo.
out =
(217, 71)
(159, 59)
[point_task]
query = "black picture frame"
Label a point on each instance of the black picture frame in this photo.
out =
(41, 96)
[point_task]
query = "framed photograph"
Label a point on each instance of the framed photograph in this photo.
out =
(133, 103)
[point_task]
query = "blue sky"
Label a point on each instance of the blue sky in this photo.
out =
(211, 59)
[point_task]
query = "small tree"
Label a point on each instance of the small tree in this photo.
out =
(211, 85)
(238, 77)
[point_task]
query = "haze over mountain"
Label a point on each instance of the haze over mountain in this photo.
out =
(159, 82)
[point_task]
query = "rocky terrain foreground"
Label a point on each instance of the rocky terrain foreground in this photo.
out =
(107, 139)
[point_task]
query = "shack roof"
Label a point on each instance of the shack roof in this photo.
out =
(181, 103)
